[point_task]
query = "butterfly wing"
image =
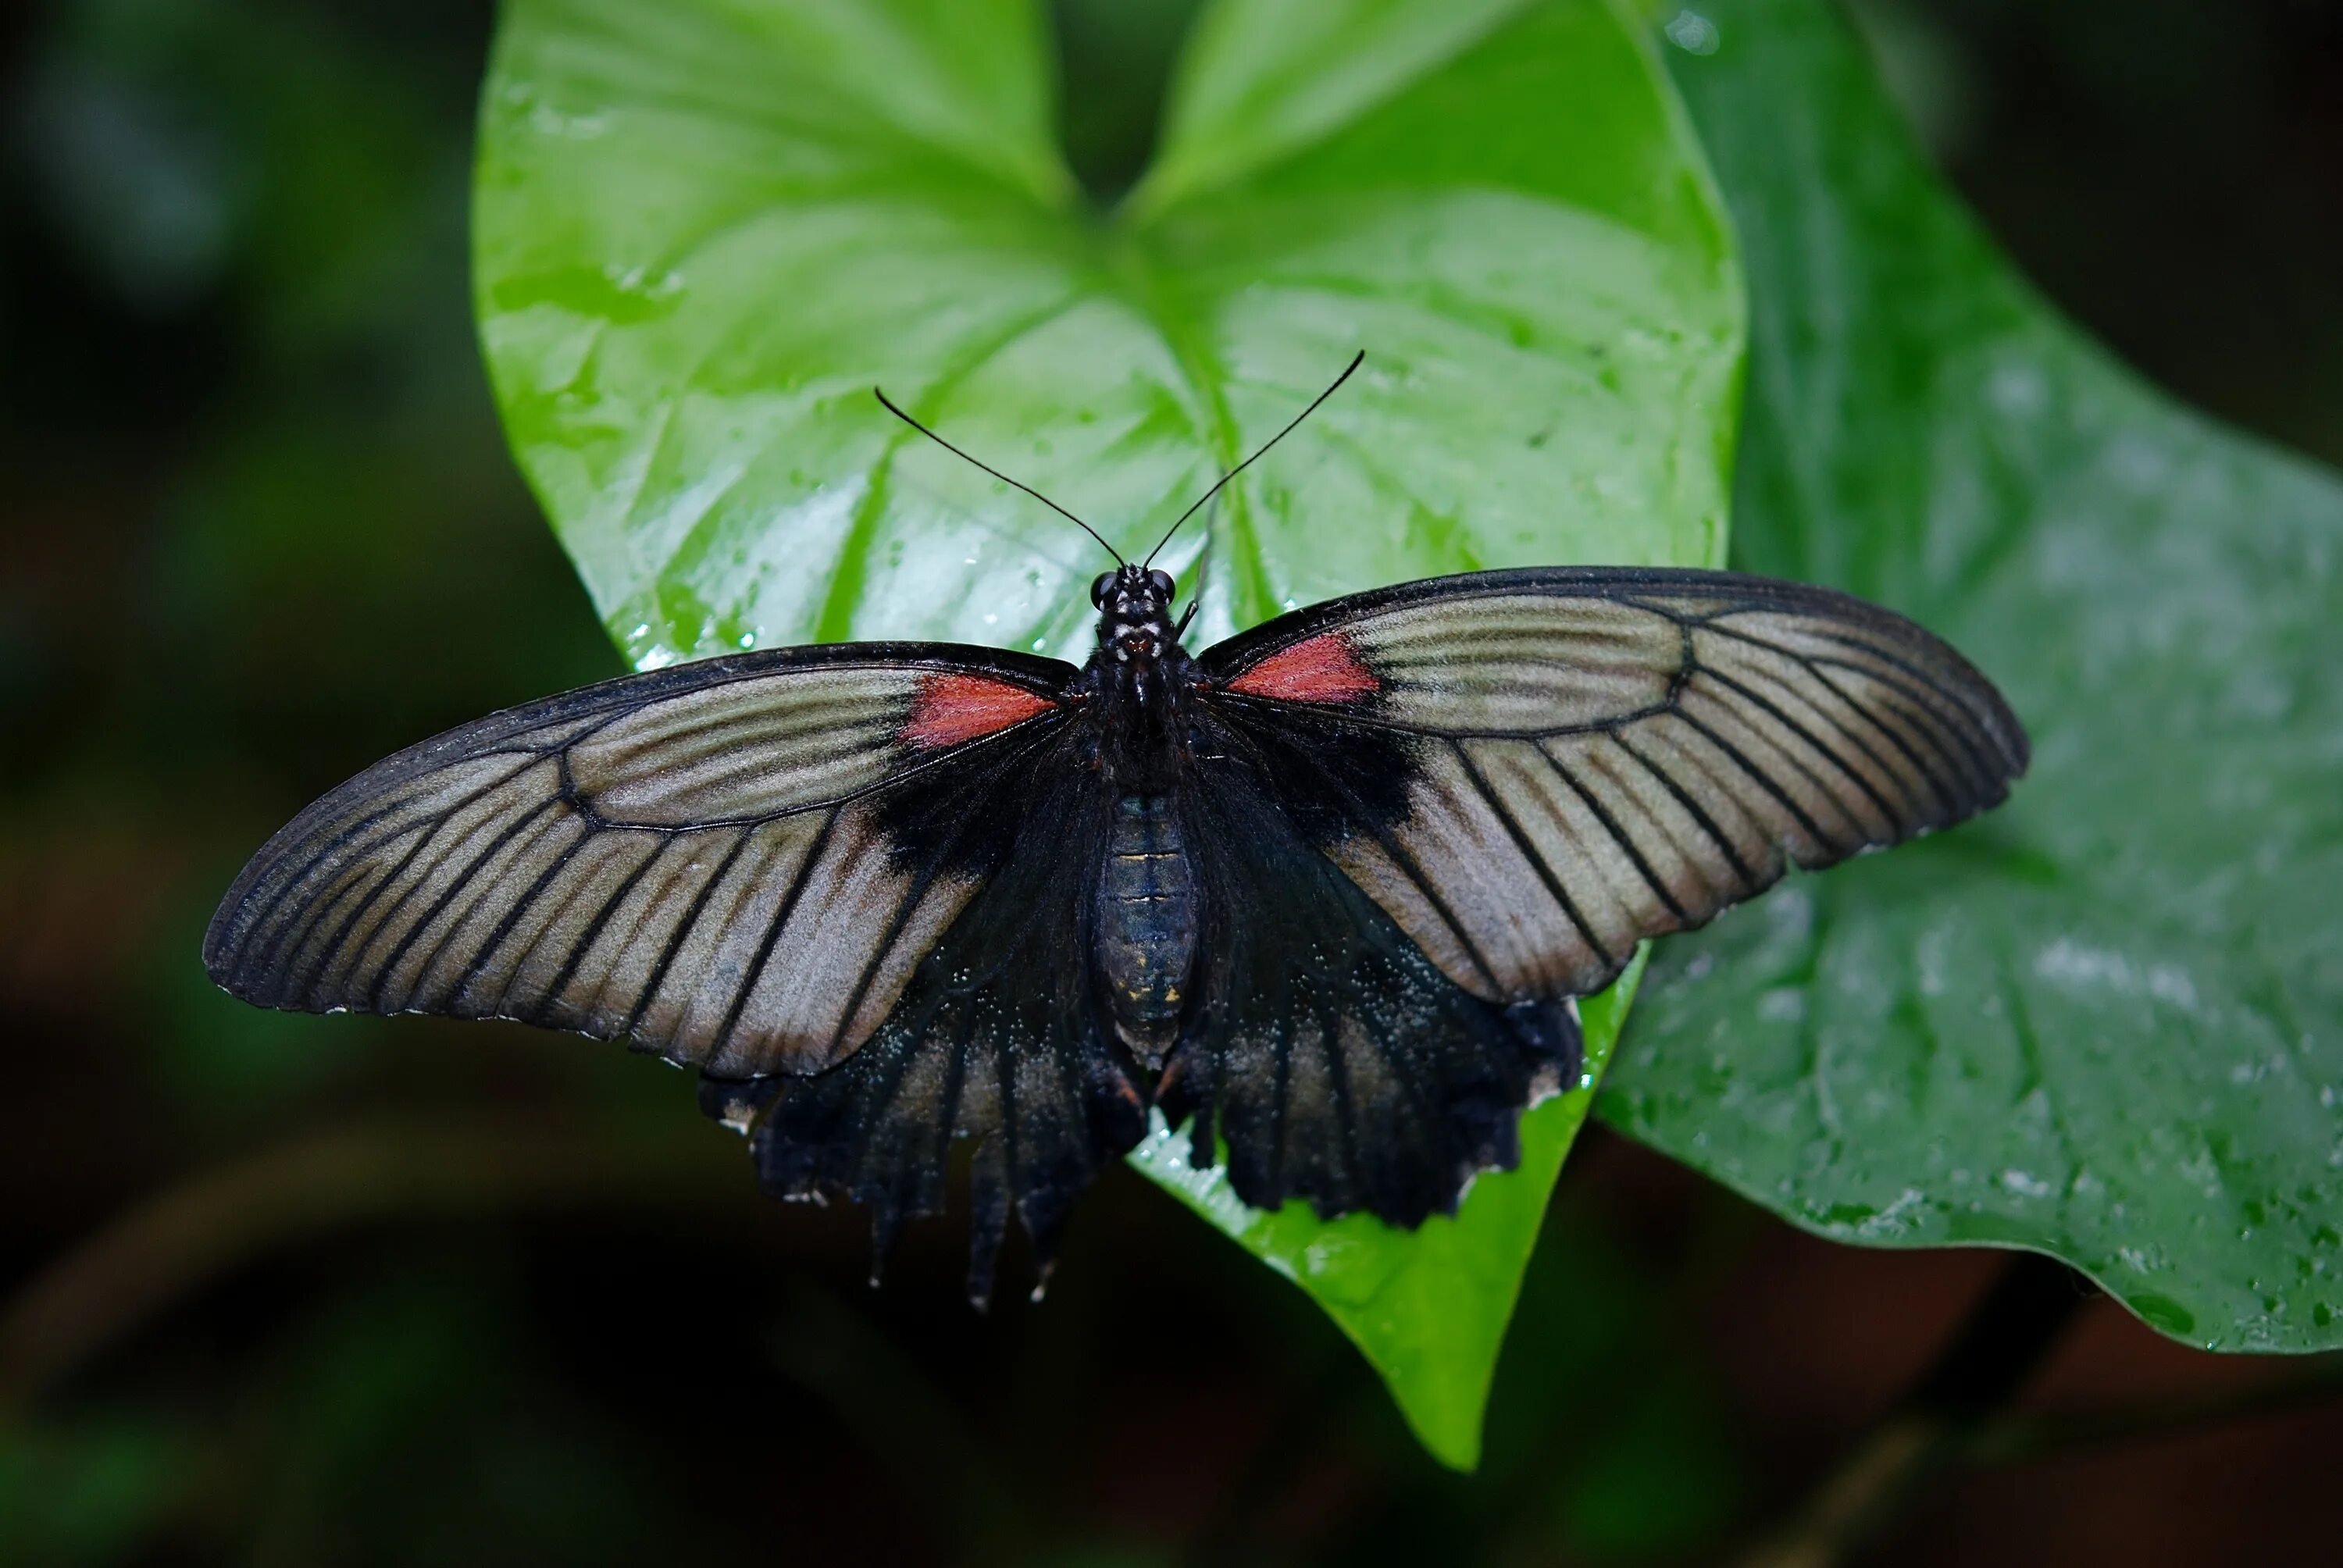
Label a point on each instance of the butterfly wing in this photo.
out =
(1000, 1036)
(1528, 772)
(845, 882)
(737, 863)
(1334, 1057)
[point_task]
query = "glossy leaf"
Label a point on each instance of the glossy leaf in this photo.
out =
(705, 229)
(2105, 1024)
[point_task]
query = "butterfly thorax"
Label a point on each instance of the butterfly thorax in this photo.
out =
(1139, 677)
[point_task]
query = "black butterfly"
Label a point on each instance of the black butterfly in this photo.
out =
(1326, 892)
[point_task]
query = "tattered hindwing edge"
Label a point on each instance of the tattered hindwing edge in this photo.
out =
(1336, 1060)
(1000, 1039)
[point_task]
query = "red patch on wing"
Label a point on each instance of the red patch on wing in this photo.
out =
(1321, 668)
(950, 708)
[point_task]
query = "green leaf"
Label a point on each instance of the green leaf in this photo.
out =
(2107, 1022)
(706, 227)
(705, 230)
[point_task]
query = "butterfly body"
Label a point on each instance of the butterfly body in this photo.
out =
(1325, 892)
(1136, 685)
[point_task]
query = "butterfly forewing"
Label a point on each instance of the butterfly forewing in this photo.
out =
(1592, 756)
(715, 860)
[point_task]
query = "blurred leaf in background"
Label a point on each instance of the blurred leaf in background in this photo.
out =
(92, 1488)
(260, 529)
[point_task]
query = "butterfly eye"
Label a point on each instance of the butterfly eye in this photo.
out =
(1161, 583)
(1101, 588)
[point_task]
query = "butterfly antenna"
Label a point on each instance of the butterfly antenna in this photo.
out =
(1356, 360)
(888, 404)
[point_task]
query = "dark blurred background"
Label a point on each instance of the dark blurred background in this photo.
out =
(278, 1290)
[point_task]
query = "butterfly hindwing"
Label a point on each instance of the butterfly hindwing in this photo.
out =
(1336, 1060)
(999, 1039)
(1572, 760)
(715, 860)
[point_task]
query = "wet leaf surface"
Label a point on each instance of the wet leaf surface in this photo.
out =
(705, 230)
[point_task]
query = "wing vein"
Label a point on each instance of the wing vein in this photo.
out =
(1619, 836)
(1930, 721)
(513, 914)
(682, 933)
(1929, 717)
(1952, 696)
(771, 938)
(296, 930)
(1926, 771)
(914, 891)
(1693, 809)
(1279, 707)
(952, 754)
(1815, 743)
(456, 885)
(586, 939)
(1895, 814)
(1761, 778)
(1520, 839)
(1409, 868)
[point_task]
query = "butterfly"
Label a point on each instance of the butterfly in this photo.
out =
(1325, 893)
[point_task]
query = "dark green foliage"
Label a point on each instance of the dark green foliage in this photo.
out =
(2107, 1022)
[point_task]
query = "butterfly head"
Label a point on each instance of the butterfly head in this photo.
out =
(1134, 605)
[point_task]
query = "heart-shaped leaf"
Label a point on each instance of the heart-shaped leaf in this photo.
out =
(2105, 1024)
(706, 227)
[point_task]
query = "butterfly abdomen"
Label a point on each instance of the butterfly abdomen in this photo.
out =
(1146, 924)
